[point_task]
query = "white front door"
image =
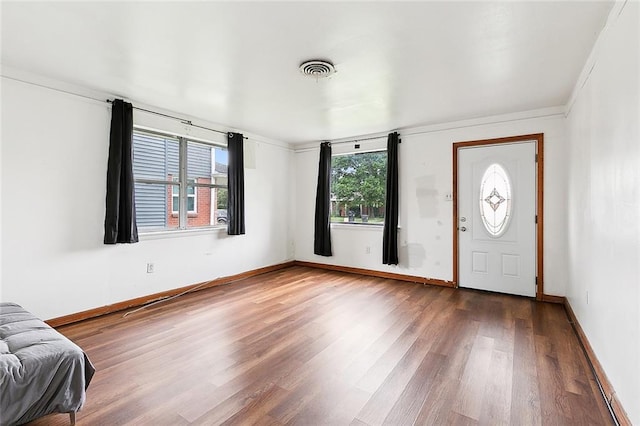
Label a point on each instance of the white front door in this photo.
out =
(496, 218)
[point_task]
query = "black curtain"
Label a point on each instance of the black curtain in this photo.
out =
(235, 199)
(322, 235)
(390, 234)
(120, 216)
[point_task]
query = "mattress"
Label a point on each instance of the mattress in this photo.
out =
(41, 371)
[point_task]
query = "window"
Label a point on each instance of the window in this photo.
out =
(179, 183)
(495, 200)
(358, 187)
(191, 197)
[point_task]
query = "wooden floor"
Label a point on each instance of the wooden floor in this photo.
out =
(311, 347)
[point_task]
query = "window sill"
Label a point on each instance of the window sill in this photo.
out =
(360, 226)
(177, 233)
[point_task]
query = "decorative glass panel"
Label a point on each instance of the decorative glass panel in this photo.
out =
(495, 200)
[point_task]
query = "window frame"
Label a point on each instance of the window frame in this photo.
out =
(183, 181)
(375, 225)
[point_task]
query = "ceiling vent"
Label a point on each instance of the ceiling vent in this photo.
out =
(317, 68)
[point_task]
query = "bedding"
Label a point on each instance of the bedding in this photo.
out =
(41, 371)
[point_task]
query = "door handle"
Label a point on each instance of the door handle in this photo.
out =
(463, 229)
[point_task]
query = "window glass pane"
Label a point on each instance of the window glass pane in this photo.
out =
(193, 201)
(207, 164)
(154, 157)
(191, 205)
(495, 200)
(221, 159)
(158, 205)
(191, 190)
(200, 158)
(358, 187)
(154, 207)
(220, 197)
(203, 210)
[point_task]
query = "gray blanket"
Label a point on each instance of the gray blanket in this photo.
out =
(41, 371)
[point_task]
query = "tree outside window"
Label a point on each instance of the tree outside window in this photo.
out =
(358, 186)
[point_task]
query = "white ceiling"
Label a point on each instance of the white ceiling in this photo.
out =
(236, 63)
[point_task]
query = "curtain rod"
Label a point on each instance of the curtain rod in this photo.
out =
(357, 140)
(68, 92)
(361, 140)
(344, 142)
(182, 120)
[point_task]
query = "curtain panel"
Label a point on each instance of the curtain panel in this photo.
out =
(322, 234)
(235, 208)
(120, 215)
(390, 233)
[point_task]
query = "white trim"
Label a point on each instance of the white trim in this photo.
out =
(93, 95)
(68, 89)
(176, 233)
(167, 133)
(550, 112)
(354, 151)
(406, 132)
(100, 97)
(592, 59)
(359, 225)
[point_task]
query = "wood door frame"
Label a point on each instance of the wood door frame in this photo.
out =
(539, 140)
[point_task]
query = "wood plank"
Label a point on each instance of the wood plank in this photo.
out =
(525, 392)
(380, 274)
(140, 301)
(310, 346)
(409, 403)
(598, 379)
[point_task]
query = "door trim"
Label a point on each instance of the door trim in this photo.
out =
(539, 139)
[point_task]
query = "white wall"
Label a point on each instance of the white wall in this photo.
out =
(52, 175)
(54, 159)
(425, 239)
(604, 204)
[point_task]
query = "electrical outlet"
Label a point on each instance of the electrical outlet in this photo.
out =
(151, 268)
(367, 250)
(448, 196)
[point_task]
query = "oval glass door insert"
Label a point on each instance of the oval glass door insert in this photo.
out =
(495, 200)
